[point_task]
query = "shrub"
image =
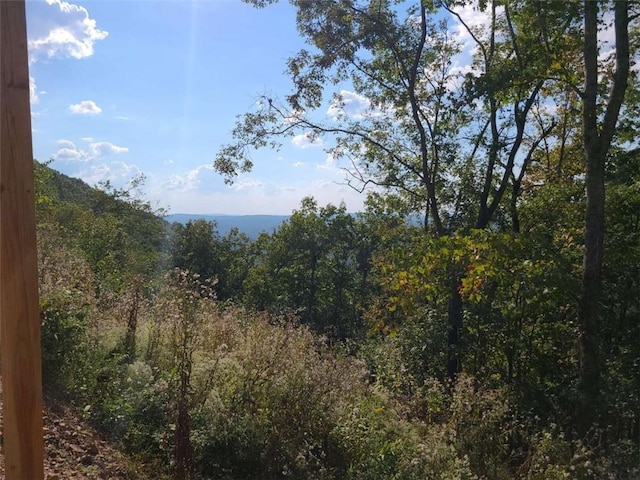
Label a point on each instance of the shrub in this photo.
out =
(63, 343)
(380, 443)
(274, 400)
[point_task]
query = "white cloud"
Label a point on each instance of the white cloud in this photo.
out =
(478, 21)
(330, 163)
(257, 197)
(86, 107)
(355, 106)
(606, 37)
(187, 182)
(67, 144)
(67, 31)
(68, 150)
(294, 116)
(299, 164)
(113, 172)
(176, 182)
(307, 140)
(457, 73)
(33, 91)
(69, 154)
(247, 184)
(549, 108)
(98, 149)
(350, 104)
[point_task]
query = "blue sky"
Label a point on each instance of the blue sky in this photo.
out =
(141, 86)
(128, 87)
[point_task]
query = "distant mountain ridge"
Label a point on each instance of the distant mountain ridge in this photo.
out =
(250, 225)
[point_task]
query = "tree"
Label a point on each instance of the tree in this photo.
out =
(182, 305)
(598, 133)
(237, 258)
(194, 247)
(450, 145)
(619, 306)
(313, 266)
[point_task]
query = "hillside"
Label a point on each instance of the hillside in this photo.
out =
(323, 350)
(59, 187)
(73, 449)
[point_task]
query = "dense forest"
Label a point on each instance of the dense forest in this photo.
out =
(496, 337)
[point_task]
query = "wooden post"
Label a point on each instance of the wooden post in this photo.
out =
(19, 306)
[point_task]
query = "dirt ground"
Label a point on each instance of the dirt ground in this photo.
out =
(74, 450)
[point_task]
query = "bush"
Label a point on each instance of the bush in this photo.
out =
(379, 443)
(63, 343)
(275, 397)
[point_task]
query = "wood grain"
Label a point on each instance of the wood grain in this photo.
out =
(19, 306)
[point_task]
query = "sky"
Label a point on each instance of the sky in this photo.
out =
(127, 87)
(121, 88)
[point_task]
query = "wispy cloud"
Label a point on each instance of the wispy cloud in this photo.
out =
(69, 151)
(86, 107)
(475, 20)
(188, 181)
(330, 163)
(33, 90)
(456, 74)
(255, 197)
(307, 140)
(247, 184)
(352, 105)
(68, 31)
(113, 172)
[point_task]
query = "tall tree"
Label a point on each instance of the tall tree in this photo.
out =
(195, 247)
(598, 133)
(316, 265)
(449, 144)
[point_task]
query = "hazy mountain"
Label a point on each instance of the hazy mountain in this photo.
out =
(251, 225)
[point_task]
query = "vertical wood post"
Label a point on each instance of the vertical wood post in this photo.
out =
(19, 306)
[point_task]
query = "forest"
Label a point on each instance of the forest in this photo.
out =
(480, 319)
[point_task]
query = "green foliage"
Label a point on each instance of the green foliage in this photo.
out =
(325, 350)
(120, 235)
(194, 248)
(272, 405)
(65, 282)
(199, 248)
(383, 445)
(43, 185)
(63, 332)
(316, 265)
(130, 405)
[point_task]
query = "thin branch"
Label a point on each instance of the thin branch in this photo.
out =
(468, 29)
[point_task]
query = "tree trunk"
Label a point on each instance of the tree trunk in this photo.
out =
(182, 448)
(183, 451)
(132, 325)
(597, 142)
(455, 316)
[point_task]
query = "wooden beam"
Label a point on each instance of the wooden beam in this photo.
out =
(19, 306)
